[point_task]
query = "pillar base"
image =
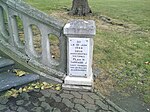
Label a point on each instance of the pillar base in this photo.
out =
(77, 87)
(78, 83)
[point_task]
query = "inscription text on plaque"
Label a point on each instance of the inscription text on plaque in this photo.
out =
(78, 57)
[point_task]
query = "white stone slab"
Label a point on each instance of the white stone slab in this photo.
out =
(78, 57)
(80, 27)
(82, 81)
(77, 88)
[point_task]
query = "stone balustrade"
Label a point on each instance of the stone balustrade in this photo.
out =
(25, 36)
(10, 11)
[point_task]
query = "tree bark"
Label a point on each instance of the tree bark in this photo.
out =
(80, 7)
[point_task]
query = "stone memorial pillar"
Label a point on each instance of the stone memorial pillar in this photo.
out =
(80, 35)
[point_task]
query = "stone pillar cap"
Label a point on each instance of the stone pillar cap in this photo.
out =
(80, 27)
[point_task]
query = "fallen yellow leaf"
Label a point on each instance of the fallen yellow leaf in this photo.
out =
(14, 95)
(58, 88)
(42, 87)
(19, 72)
(20, 90)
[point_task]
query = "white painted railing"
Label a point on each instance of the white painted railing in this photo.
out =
(9, 11)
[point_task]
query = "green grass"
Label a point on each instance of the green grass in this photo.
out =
(49, 6)
(120, 54)
(123, 56)
(132, 11)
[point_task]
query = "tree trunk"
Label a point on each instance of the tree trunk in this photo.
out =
(80, 7)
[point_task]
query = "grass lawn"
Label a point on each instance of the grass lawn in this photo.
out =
(121, 52)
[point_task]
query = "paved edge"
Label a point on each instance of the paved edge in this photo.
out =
(116, 107)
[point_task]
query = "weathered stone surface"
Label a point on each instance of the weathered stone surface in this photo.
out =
(20, 102)
(37, 109)
(45, 23)
(68, 103)
(65, 91)
(80, 108)
(13, 107)
(3, 100)
(112, 109)
(104, 111)
(76, 94)
(94, 96)
(53, 91)
(87, 93)
(56, 110)
(25, 96)
(74, 110)
(27, 104)
(90, 106)
(80, 27)
(79, 32)
(46, 93)
(6, 64)
(79, 101)
(56, 97)
(64, 95)
(102, 105)
(42, 99)
(2, 107)
(21, 109)
(36, 104)
(88, 99)
(46, 106)
(8, 110)
(9, 80)
(91, 110)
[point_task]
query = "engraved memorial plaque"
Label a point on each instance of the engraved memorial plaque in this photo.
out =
(78, 57)
(79, 54)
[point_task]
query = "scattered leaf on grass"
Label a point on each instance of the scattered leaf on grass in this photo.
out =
(147, 63)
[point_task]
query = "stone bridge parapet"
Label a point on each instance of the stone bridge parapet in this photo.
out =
(24, 52)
